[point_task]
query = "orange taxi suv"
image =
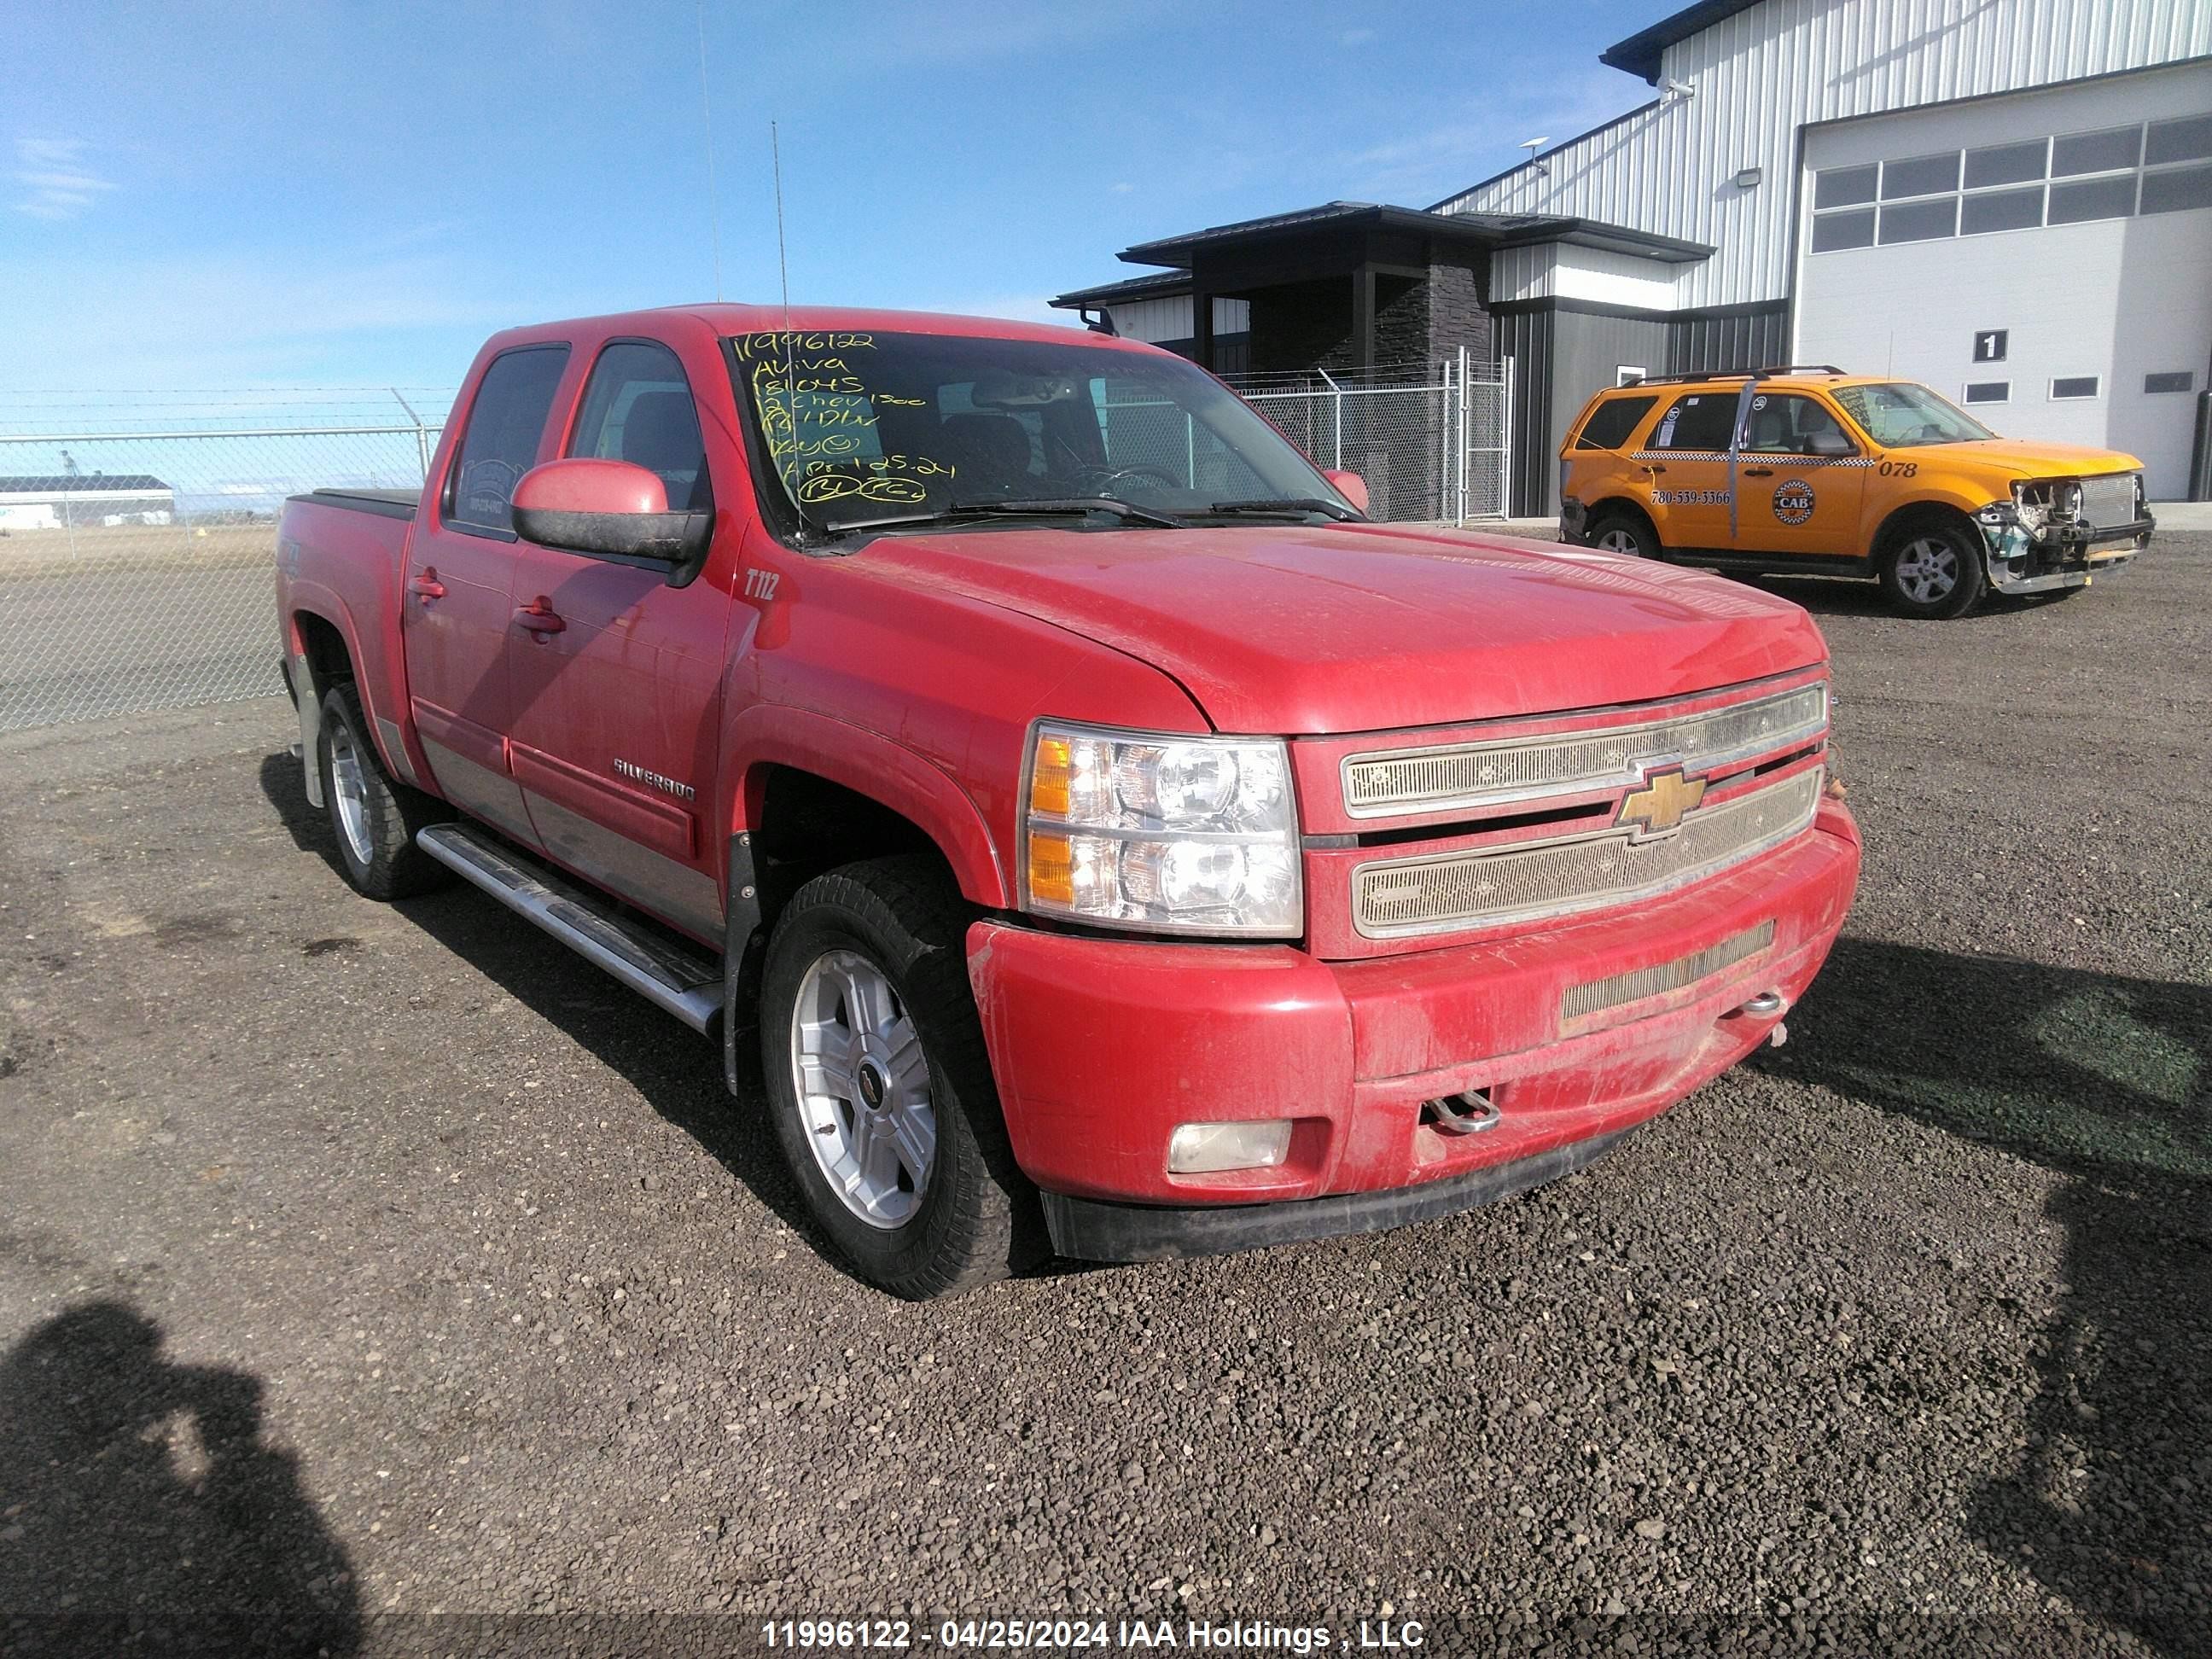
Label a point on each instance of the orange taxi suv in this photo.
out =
(1812, 470)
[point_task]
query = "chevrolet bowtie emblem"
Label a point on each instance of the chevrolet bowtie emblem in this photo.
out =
(1658, 807)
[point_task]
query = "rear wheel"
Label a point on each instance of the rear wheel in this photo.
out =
(375, 817)
(1933, 571)
(1624, 533)
(881, 1087)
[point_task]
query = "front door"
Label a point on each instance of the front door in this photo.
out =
(1790, 497)
(1686, 461)
(456, 608)
(617, 695)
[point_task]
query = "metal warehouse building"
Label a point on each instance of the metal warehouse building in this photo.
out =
(64, 501)
(2009, 199)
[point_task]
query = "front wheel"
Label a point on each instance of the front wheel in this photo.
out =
(1933, 572)
(1620, 532)
(881, 1087)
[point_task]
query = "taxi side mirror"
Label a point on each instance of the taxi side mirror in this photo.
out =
(1828, 441)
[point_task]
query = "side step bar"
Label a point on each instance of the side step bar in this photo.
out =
(687, 986)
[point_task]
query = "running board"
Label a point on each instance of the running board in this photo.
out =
(687, 986)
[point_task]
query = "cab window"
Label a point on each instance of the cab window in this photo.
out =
(1612, 422)
(505, 423)
(638, 408)
(1698, 420)
(1780, 424)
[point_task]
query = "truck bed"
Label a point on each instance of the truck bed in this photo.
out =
(385, 503)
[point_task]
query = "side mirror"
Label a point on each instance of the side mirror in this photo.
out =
(1351, 486)
(612, 510)
(1828, 441)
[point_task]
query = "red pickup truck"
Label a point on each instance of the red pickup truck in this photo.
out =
(1120, 846)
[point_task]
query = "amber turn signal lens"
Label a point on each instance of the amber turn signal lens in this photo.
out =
(1048, 779)
(1052, 863)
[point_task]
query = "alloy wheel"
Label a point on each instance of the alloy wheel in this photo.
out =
(862, 1081)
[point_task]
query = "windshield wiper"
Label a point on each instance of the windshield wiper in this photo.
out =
(1057, 505)
(1289, 507)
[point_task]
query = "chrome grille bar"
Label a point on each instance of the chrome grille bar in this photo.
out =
(1447, 891)
(1398, 781)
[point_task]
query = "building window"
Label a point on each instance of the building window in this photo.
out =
(2074, 386)
(1834, 230)
(2007, 164)
(1924, 175)
(2001, 210)
(1920, 222)
(1989, 391)
(1629, 373)
(2115, 173)
(2179, 380)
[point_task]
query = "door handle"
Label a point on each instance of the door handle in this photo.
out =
(425, 585)
(1758, 472)
(1654, 468)
(539, 617)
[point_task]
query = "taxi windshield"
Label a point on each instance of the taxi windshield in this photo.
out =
(1899, 415)
(868, 429)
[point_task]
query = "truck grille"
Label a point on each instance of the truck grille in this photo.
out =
(1448, 891)
(1404, 780)
(1595, 996)
(2109, 501)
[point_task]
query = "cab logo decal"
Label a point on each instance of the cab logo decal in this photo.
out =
(1657, 808)
(1793, 502)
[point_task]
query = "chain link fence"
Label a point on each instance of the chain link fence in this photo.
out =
(137, 540)
(137, 543)
(1430, 440)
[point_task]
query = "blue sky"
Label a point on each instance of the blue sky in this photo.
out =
(221, 195)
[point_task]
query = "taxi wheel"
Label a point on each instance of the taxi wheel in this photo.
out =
(1617, 532)
(1933, 571)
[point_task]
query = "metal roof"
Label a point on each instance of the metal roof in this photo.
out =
(84, 483)
(1641, 53)
(1154, 285)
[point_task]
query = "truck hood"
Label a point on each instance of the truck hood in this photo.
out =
(2017, 458)
(1362, 627)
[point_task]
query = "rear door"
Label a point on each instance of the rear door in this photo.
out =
(616, 712)
(460, 569)
(1790, 500)
(1685, 457)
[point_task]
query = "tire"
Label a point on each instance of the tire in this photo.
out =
(875, 951)
(1623, 533)
(1933, 572)
(374, 819)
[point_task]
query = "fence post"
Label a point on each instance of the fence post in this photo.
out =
(422, 434)
(1505, 443)
(1466, 428)
(1338, 461)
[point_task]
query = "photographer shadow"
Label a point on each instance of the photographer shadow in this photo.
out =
(2106, 1081)
(144, 1511)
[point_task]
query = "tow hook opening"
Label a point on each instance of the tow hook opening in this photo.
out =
(1467, 1113)
(1765, 1005)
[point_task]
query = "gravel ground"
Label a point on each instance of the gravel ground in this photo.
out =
(358, 1264)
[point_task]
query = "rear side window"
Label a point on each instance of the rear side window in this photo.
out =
(638, 408)
(501, 445)
(1611, 422)
(1702, 419)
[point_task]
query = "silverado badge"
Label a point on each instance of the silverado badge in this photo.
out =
(1657, 808)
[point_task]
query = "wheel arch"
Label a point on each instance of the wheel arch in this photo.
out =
(1916, 514)
(1625, 507)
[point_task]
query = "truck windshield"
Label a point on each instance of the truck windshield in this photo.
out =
(1899, 415)
(866, 428)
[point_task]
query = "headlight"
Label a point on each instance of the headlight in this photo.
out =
(1161, 833)
(2032, 502)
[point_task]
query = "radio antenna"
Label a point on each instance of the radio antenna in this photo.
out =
(707, 119)
(783, 272)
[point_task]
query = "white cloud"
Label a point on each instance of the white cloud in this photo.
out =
(1355, 37)
(1123, 188)
(56, 182)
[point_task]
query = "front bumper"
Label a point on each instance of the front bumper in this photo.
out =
(1102, 1046)
(2065, 555)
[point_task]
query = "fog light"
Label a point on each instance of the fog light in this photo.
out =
(1197, 1148)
